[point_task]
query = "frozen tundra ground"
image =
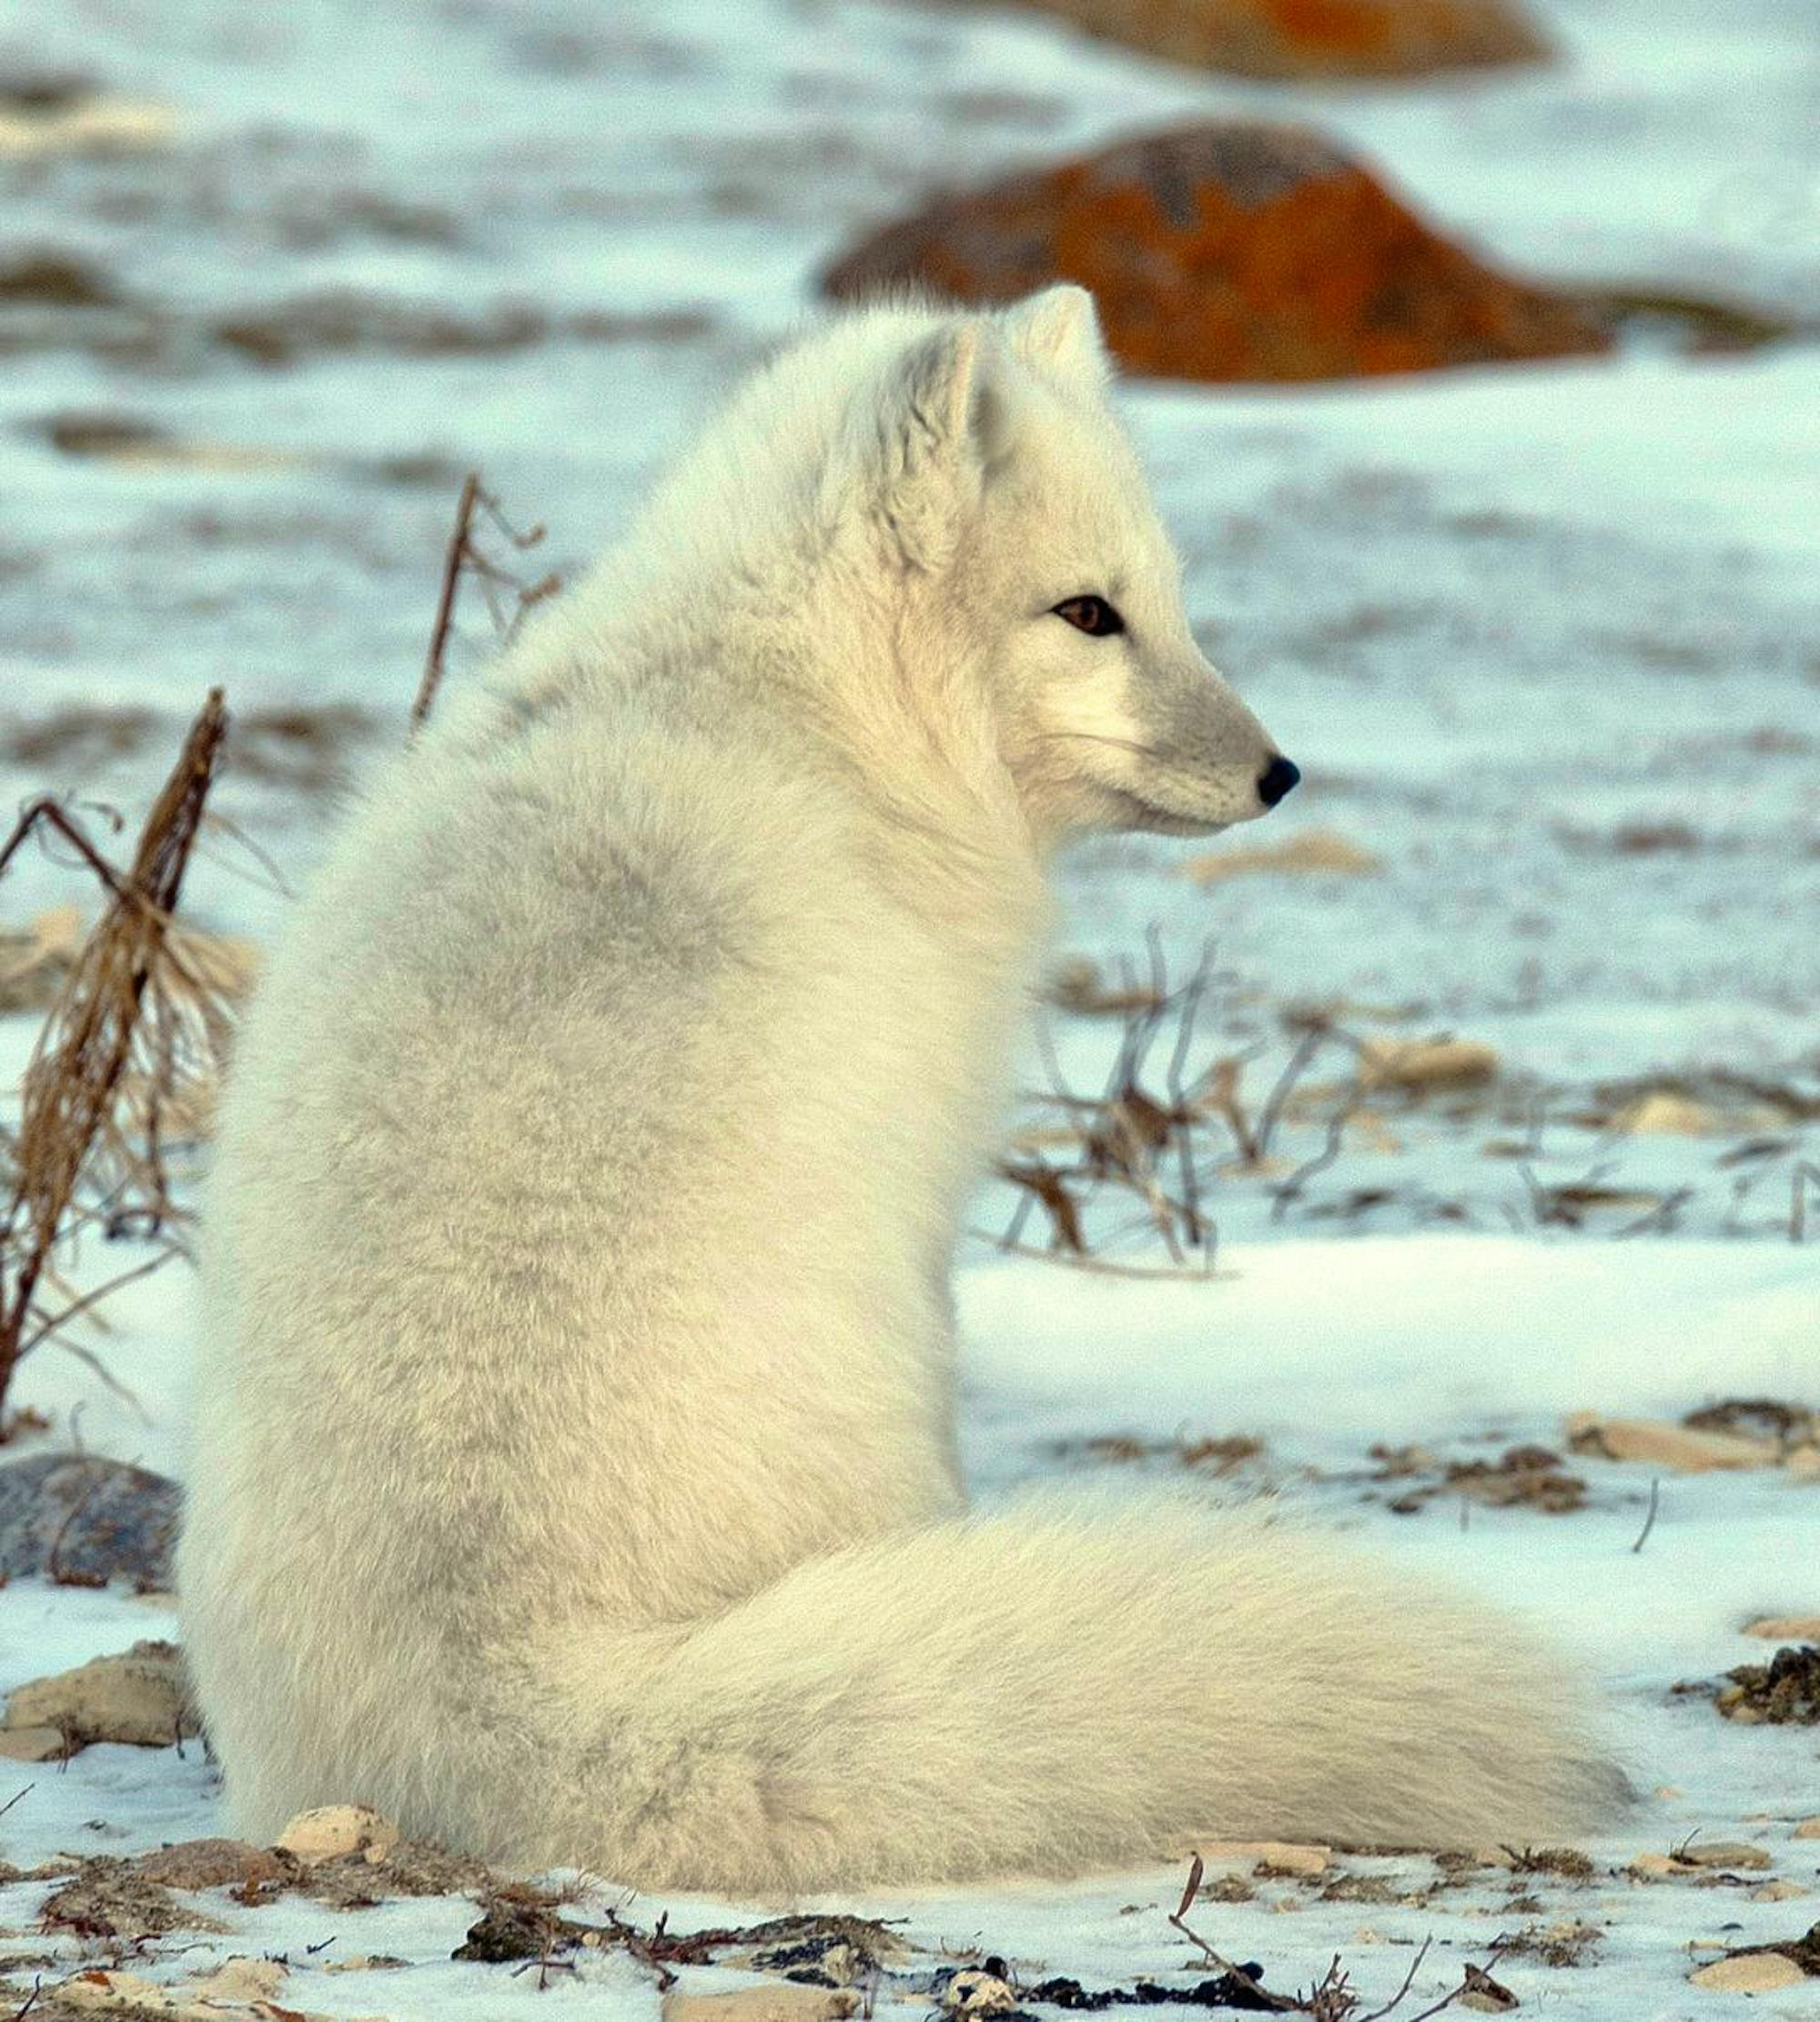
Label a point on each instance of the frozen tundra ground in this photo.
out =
(1543, 639)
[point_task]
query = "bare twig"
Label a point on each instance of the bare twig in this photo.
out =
(1104, 1267)
(642, 1949)
(93, 1298)
(1649, 1521)
(453, 557)
(1292, 1188)
(1314, 1036)
(1280, 2003)
(1378, 2015)
(462, 555)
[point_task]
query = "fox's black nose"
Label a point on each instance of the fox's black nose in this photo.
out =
(1276, 780)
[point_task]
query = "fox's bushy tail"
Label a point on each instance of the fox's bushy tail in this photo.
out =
(1047, 1691)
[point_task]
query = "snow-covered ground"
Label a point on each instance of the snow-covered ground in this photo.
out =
(1543, 640)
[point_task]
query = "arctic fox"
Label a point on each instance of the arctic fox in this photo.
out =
(575, 1471)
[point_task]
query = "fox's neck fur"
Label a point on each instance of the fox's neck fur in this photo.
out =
(692, 630)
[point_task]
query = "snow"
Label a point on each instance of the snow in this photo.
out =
(1513, 623)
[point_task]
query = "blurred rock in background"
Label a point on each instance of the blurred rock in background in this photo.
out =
(1236, 250)
(1315, 38)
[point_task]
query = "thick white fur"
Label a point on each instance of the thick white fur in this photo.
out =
(574, 1470)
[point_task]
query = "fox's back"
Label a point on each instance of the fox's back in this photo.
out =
(540, 1125)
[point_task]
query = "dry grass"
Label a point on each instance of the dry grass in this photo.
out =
(1149, 1134)
(121, 1067)
(1332, 1999)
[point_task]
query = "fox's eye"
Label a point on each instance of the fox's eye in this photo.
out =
(1092, 614)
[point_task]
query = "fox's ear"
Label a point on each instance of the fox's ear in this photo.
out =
(941, 429)
(1058, 334)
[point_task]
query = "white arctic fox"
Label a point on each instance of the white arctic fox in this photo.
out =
(574, 1472)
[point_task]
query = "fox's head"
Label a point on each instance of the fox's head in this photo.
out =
(1018, 531)
(945, 505)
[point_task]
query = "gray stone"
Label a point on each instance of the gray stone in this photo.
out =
(65, 1516)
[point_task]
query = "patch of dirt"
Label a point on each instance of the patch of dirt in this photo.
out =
(1634, 839)
(1364, 1889)
(306, 750)
(1758, 1418)
(111, 1898)
(1786, 1692)
(312, 325)
(103, 435)
(216, 1864)
(54, 303)
(47, 92)
(1805, 1951)
(519, 1925)
(54, 280)
(1228, 1991)
(1566, 1943)
(412, 1868)
(1568, 1862)
(1531, 1476)
(1212, 1456)
(78, 739)
(521, 1922)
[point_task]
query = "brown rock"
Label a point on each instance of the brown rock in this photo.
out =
(1776, 1892)
(32, 1745)
(1318, 851)
(332, 1831)
(1731, 1854)
(1314, 38)
(1426, 1063)
(79, 1518)
(1242, 250)
(1809, 1828)
(1662, 1113)
(781, 2001)
(976, 1993)
(1287, 1858)
(242, 1982)
(137, 1696)
(1749, 1973)
(1665, 1445)
(1786, 1628)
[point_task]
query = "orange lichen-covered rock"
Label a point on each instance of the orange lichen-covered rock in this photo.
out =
(1242, 250)
(1315, 38)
